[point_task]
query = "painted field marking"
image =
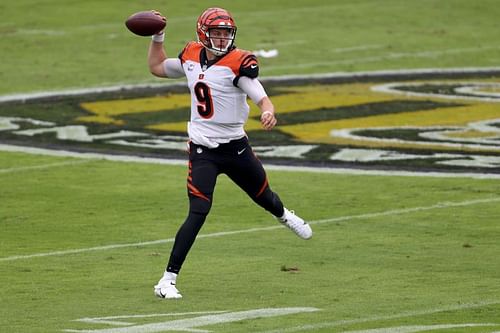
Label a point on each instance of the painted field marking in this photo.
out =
(378, 318)
(178, 20)
(468, 91)
(274, 44)
(335, 50)
(357, 48)
(21, 97)
(47, 32)
(441, 205)
(421, 54)
(116, 27)
(163, 161)
(328, 76)
(42, 166)
(191, 324)
(420, 328)
(113, 320)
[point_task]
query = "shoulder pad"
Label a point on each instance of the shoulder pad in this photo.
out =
(191, 52)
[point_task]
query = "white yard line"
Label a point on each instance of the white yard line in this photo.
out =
(77, 92)
(281, 43)
(113, 320)
(357, 48)
(421, 328)
(42, 166)
(343, 171)
(388, 317)
(118, 26)
(442, 205)
(334, 50)
(20, 97)
(90, 156)
(192, 324)
(421, 54)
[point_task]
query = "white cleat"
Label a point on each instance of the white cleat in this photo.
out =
(296, 224)
(166, 287)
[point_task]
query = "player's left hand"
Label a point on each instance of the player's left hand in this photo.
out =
(268, 120)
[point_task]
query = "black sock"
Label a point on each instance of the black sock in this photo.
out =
(184, 240)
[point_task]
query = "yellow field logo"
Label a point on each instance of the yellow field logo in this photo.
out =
(430, 124)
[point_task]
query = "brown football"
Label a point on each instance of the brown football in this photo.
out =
(145, 23)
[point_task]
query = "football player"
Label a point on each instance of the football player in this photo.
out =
(220, 77)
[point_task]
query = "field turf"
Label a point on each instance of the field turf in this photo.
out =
(54, 44)
(83, 241)
(387, 251)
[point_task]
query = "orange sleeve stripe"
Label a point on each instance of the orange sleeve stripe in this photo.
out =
(234, 60)
(249, 60)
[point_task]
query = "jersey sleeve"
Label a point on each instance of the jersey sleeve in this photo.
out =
(190, 52)
(173, 68)
(249, 66)
(253, 88)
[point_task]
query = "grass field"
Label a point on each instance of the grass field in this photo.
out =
(83, 241)
(55, 44)
(383, 254)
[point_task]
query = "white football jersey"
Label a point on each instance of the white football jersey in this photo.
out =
(219, 108)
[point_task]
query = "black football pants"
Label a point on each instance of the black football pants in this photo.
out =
(235, 159)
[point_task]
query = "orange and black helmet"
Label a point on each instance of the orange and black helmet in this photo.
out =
(216, 18)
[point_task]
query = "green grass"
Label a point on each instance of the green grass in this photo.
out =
(51, 45)
(392, 268)
(384, 253)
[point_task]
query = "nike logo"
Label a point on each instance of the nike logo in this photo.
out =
(241, 151)
(253, 66)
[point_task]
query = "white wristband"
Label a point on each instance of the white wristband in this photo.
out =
(158, 38)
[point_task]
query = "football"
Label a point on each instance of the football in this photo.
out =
(146, 23)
